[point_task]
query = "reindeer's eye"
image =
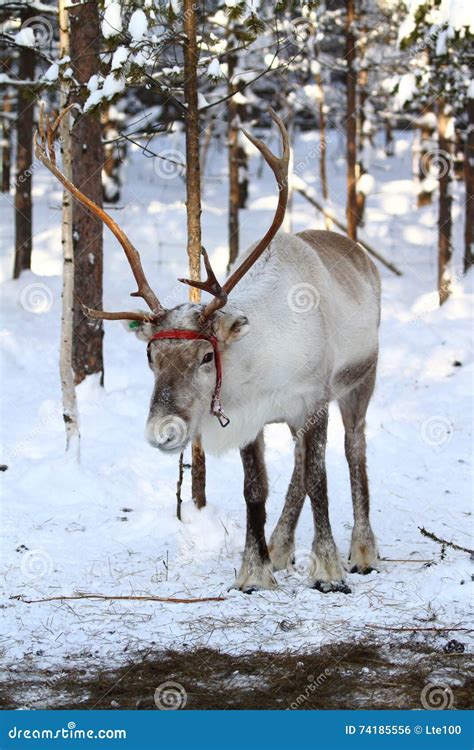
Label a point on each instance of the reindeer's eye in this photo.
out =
(207, 358)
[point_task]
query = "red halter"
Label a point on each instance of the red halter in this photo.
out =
(176, 333)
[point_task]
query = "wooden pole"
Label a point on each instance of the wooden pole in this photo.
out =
(193, 204)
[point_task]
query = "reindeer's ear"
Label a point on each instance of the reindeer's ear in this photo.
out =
(143, 331)
(230, 326)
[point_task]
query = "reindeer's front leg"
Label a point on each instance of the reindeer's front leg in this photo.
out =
(256, 570)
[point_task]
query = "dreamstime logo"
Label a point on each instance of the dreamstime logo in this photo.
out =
(170, 696)
(435, 161)
(170, 431)
(36, 564)
(169, 164)
(36, 298)
(302, 562)
(41, 28)
(437, 697)
(436, 430)
(303, 298)
(301, 31)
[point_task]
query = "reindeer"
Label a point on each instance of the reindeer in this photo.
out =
(299, 331)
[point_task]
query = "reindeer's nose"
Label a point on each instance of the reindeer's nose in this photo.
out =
(167, 433)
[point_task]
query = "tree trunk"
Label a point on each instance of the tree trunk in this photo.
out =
(233, 144)
(389, 146)
(351, 125)
(70, 414)
(87, 154)
(469, 182)
(445, 202)
(424, 159)
(362, 81)
(193, 204)
(6, 131)
(24, 156)
(242, 161)
(287, 225)
(322, 136)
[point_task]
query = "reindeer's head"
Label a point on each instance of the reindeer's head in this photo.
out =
(185, 344)
(185, 359)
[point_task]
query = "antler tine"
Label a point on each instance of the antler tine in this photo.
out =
(45, 153)
(211, 284)
(279, 167)
(141, 317)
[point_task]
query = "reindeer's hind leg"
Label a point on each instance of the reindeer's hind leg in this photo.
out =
(353, 404)
(327, 572)
(282, 541)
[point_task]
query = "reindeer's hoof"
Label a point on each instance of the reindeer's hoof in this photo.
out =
(250, 590)
(251, 579)
(363, 570)
(331, 587)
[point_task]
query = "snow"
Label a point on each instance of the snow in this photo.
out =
(119, 57)
(108, 525)
(138, 26)
(365, 184)
(112, 22)
(406, 89)
(214, 69)
(93, 83)
(52, 72)
(94, 98)
(25, 37)
(113, 85)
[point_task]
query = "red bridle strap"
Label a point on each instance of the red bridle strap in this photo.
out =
(176, 333)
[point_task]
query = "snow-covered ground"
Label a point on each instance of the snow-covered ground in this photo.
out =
(108, 525)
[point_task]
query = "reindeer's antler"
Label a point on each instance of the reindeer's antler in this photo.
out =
(279, 167)
(44, 151)
(211, 284)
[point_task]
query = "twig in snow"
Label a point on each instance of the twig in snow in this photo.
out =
(179, 486)
(103, 597)
(444, 542)
(410, 629)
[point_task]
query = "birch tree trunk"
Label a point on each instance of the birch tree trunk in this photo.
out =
(351, 124)
(445, 204)
(24, 156)
(193, 204)
(70, 414)
(469, 182)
